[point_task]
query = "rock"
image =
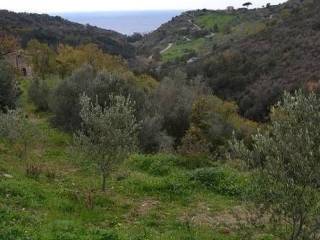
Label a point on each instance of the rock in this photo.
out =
(7, 175)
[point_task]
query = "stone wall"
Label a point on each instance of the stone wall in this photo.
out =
(19, 61)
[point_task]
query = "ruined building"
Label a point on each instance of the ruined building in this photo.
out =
(19, 60)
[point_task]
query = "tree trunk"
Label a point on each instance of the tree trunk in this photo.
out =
(104, 179)
(25, 151)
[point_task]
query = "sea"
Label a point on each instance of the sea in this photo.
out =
(125, 22)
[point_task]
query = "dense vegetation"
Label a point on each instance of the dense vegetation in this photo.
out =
(56, 30)
(260, 67)
(91, 149)
(8, 87)
(249, 56)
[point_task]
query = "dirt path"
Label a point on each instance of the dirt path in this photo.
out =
(195, 25)
(167, 48)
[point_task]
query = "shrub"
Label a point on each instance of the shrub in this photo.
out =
(212, 123)
(149, 134)
(194, 144)
(8, 86)
(38, 94)
(194, 161)
(50, 173)
(157, 165)
(173, 101)
(16, 128)
(43, 58)
(64, 102)
(33, 170)
(221, 180)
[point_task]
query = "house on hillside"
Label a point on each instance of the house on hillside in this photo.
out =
(18, 60)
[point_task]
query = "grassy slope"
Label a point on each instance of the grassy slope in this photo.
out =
(221, 20)
(239, 27)
(148, 197)
(182, 48)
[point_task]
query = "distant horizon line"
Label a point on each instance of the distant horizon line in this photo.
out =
(134, 10)
(97, 11)
(118, 11)
(115, 11)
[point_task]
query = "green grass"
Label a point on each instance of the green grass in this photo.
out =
(141, 202)
(230, 27)
(180, 49)
(221, 20)
(148, 197)
(248, 28)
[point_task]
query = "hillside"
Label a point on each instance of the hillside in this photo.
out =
(250, 56)
(55, 30)
(193, 33)
(256, 70)
(92, 147)
(148, 196)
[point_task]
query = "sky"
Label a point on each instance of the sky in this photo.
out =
(56, 6)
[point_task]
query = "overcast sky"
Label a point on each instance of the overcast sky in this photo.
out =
(49, 6)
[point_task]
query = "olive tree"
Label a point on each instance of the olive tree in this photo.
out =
(109, 133)
(286, 160)
(18, 129)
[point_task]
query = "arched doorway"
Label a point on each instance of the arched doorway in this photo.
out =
(24, 72)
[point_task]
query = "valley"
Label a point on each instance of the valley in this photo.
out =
(204, 129)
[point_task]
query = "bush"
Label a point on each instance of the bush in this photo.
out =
(152, 138)
(194, 161)
(194, 143)
(38, 94)
(221, 180)
(33, 171)
(64, 102)
(212, 123)
(8, 86)
(157, 165)
(17, 129)
(50, 173)
(148, 136)
(163, 164)
(173, 101)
